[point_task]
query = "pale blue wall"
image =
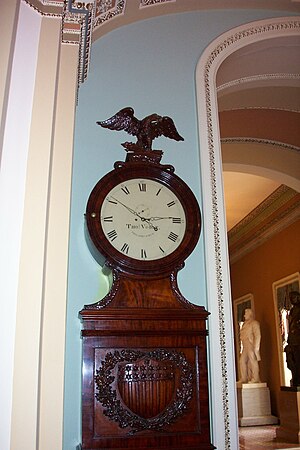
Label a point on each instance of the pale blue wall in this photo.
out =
(150, 66)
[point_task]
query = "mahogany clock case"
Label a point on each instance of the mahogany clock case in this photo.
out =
(144, 368)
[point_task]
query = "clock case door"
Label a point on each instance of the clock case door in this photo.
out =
(144, 372)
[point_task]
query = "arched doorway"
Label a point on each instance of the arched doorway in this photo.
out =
(222, 351)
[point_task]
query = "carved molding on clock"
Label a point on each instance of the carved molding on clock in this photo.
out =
(111, 295)
(213, 59)
(154, 370)
(176, 290)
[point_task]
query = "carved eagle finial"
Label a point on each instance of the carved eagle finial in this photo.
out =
(146, 130)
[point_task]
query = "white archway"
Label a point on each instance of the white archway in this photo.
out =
(221, 343)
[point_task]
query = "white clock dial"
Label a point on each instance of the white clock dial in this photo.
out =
(143, 219)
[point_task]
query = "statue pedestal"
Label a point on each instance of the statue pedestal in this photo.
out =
(254, 406)
(289, 407)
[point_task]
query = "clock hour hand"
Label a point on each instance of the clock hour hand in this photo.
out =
(159, 218)
(143, 219)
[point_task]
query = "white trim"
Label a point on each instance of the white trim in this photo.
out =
(256, 79)
(221, 350)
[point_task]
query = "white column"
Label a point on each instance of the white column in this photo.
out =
(20, 27)
(40, 323)
(56, 261)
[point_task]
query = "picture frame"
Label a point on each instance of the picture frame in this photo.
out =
(282, 306)
(239, 306)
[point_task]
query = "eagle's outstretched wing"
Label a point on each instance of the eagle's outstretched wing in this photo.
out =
(123, 120)
(166, 127)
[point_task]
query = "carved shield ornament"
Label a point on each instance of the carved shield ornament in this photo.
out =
(144, 390)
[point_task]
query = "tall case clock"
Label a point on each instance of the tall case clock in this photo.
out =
(144, 367)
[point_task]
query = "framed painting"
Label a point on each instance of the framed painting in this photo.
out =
(282, 306)
(239, 306)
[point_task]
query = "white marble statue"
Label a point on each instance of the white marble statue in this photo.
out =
(250, 339)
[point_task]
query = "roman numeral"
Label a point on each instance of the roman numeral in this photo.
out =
(161, 249)
(143, 253)
(112, 201)
(126, 190)
(142, 187)
(112, 235)
(125, 248)
(173, 236)
(158, 192)
(172, 203)
(176, 219)
(108, 219)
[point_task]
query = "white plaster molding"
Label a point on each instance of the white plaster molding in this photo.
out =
(221, 350)
(247, 140)
(256, 78)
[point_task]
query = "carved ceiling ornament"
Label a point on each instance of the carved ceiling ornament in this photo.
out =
(79, 19)
(155, 367)
(145, 3)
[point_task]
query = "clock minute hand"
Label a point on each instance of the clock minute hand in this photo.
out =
(127, 207)
(135, 213)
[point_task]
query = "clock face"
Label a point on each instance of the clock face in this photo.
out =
(143, 219)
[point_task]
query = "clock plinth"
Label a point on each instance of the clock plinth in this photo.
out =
(145, 371)
(145, 381)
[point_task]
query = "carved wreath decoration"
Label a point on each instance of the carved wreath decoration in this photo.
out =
(124, 417)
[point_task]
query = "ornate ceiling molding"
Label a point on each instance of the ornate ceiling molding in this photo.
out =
(79, 19)
(253, 140)
(145, 3)
(107, 10)
(267, 77)
(275, 213)
(76, 25)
